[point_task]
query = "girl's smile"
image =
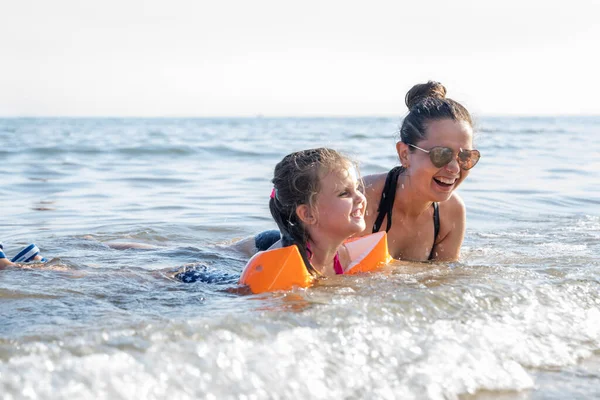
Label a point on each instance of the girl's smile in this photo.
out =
(340, 205)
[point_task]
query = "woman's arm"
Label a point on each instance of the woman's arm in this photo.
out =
(452, 229)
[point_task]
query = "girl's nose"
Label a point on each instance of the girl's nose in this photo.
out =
(360, 198)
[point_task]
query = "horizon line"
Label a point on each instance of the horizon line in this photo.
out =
(263, 116)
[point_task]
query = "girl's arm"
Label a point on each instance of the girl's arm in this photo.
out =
(5, 262)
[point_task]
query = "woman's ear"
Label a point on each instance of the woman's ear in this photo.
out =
(403, 152)
(305, 214)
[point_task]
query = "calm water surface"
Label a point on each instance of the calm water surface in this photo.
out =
(517, 318)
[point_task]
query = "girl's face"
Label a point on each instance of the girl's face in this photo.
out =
(437, 183)
(340, 206)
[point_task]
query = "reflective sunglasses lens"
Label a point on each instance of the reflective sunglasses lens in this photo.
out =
(468, 158)
(441, 156)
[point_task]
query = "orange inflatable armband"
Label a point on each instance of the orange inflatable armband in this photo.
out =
(368, 253)
(282, 269)
(278, 269)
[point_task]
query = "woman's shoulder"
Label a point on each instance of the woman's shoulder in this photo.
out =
(452, 209)
(374, 183)
(373, 187)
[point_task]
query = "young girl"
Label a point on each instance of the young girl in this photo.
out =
(317, 205)
(415, 203)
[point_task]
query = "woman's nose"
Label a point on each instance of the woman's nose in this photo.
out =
(453, 166)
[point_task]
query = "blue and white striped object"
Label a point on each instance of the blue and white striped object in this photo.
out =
(2, 255)
(27, 254)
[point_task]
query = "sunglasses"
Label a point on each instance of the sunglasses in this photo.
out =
(441, 156)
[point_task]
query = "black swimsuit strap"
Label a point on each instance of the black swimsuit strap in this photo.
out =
(436, 227)
(386, 204)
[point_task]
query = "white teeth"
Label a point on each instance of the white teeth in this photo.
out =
(448, 181)
(357, 213)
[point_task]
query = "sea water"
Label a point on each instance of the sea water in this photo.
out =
(518, 317)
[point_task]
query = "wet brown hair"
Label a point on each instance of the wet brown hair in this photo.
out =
(297, 181)
(427, 102)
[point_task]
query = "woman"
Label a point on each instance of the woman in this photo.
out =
(416, 202)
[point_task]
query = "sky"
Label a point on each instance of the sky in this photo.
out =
(198, 58)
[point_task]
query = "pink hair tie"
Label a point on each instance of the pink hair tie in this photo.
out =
(273, 193)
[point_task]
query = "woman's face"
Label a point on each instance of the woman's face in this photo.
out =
(437, 183)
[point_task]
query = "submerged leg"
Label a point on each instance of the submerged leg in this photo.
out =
(266, 239)
(203, 273)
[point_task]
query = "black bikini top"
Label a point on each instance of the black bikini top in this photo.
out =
(386, 204)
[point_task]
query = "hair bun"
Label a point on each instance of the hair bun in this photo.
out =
(422, 91)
